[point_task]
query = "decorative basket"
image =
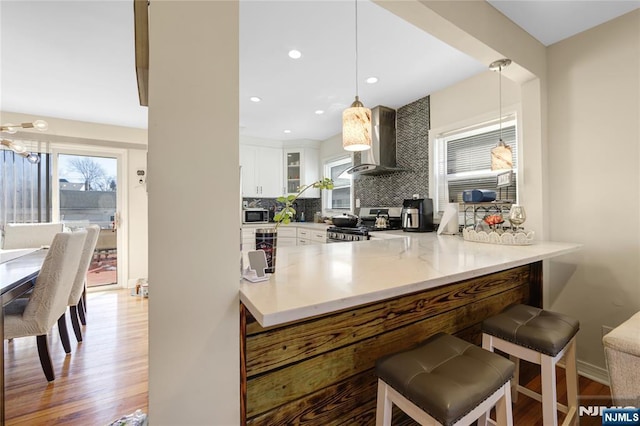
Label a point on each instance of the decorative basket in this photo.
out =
(518, 238)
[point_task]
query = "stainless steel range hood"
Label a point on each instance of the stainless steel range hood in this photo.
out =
(381, 158)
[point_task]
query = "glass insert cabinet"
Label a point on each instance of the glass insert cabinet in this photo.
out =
(293, 171)
(301, 168)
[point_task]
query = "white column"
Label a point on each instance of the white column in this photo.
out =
(193, 183)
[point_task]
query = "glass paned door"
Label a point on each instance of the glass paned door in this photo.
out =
(88, 195)
(293, 172)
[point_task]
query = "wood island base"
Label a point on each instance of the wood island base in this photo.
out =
(320, 371)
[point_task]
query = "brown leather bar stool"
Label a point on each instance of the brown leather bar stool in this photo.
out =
(444, 381)
(542, 337)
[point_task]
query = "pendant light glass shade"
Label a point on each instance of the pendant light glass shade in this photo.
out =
(501, 155)
(356, 127)
(356, 120)
(17, 147)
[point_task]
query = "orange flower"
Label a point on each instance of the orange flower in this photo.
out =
(493, 219)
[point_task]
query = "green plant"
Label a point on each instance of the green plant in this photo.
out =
(285, 215)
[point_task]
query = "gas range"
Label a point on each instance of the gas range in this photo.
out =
(367, 224)
(337, 233)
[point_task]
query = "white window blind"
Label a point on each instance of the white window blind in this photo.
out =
(463, 162)
(24, 196)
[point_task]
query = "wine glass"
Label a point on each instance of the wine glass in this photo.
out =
(517, 216)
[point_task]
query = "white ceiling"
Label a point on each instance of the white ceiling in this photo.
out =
(550, 21)
(75, 59)
(70, 59)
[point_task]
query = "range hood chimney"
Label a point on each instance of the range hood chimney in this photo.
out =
(381, 158)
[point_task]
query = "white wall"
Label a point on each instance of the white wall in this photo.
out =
(594, 164)
(82, 129)
(331, 148)
(471, 100)
(138, 223)
(194, 226)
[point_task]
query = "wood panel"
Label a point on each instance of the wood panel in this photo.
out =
(300, 378)
(141, 30)
(273, 349)
(321, 371)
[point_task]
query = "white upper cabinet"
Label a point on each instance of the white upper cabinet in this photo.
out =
(261, 171)
(301, 168)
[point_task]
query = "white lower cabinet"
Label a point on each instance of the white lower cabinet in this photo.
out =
(287, 237)
(249, 238)
(319, 236)
(310, 236)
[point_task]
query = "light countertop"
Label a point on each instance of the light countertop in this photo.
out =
(322, 278)
(305, 225)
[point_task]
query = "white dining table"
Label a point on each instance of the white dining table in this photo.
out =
(7, 255)
(19, 269)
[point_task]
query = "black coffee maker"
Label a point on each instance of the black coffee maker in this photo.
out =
(417, 215)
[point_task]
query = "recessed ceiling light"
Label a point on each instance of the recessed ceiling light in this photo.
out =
(295, 54)
(372, 80)
(319, 112)
(255, 99)
(287, 131)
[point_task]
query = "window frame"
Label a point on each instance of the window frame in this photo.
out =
(438, 176)
(327, 164)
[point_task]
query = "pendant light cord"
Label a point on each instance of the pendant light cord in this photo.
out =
(356, 1)
(500, 100)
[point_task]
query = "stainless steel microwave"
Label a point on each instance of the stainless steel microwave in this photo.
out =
(255, 215)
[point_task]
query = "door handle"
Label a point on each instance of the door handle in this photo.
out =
(116, 221)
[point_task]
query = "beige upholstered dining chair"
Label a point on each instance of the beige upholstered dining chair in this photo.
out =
(29, 235)
(76, 302)
(36, 315)
(622, 353)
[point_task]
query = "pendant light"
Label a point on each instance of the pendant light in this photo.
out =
(501, 155)
(356, 120)
(15, 146)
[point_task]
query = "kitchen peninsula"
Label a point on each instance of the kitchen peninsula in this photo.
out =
(311, 334)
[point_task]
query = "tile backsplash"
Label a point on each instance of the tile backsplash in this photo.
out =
(307, 205)
(412, 135)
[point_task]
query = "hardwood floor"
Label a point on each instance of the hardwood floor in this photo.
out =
(106, 376)
(528, 412)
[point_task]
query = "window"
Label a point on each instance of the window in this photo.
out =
(340, 197)
(23, 189)
(463, 161)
